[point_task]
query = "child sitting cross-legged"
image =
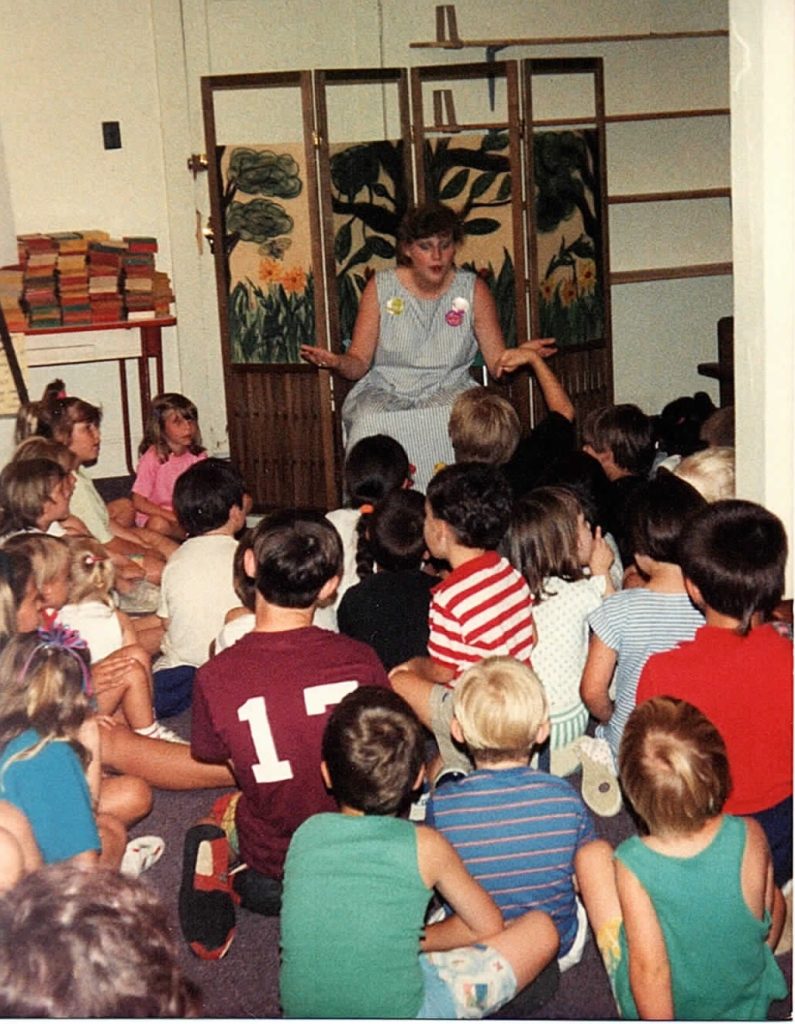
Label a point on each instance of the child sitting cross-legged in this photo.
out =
(357, 885)
(525, 835)
(701, 911)
(482, 608)
(198, 581)
(261, 705)
(91, 611)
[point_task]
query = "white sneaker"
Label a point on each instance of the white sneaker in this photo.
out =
(141, 854)
(161, 732)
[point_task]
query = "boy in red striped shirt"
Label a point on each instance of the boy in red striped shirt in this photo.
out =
(482, 608)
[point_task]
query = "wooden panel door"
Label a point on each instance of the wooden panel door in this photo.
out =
(270, 285)
(567, 225)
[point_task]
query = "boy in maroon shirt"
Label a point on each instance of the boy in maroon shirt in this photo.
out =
(262, 705)
(738, 669)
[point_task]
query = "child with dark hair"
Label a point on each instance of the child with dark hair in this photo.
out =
(89, 944)
(241, 618)
(172, 443)
(737, 669)
(621, 439)
(388, 607)
(374, 467)
(633, 624)
(197, 589)
(261, 705)
(483, 607)
(701, 912)
(357, 886)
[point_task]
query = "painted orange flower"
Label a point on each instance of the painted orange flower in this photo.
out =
(294, 279)
(547, 290)
(568, 293)
(270, 271)
(586, 276)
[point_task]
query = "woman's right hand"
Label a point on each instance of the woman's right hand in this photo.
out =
(320, 357)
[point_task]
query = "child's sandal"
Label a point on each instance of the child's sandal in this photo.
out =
(600, 788)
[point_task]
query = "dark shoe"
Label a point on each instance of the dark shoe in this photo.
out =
(257, 892)
(206, 904)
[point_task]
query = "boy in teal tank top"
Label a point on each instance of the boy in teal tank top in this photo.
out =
(357, 886)
(701, 911)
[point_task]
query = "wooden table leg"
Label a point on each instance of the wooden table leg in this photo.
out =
(125, 415)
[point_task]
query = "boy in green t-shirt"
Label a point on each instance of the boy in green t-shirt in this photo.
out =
(357, 886)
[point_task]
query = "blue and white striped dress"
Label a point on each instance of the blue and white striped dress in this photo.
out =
(637, 623)
(421, 365)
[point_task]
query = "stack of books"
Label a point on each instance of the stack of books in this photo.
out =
(38, 255)
(72, 268)
(70, 278)
(138, 264)
(162, 294)
(11, 284)
(104, 280)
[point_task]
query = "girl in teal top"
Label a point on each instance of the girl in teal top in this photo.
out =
(701, 912)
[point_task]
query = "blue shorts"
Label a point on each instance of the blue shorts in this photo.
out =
(466, 983)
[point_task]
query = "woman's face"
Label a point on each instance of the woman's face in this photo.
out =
(84, 442)
(431, 260)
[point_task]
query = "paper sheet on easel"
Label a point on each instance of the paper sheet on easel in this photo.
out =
(9, 399)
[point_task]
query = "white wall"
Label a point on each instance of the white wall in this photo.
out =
(67, 67)
(763, 171)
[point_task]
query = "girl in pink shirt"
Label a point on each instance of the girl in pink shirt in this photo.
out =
(171, 444)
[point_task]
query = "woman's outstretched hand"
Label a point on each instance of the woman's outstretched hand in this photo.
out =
(320, 357)
(512, 358)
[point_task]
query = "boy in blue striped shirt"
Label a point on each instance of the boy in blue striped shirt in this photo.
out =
(525, 835)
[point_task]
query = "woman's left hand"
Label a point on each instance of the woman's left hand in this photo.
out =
(320, 357)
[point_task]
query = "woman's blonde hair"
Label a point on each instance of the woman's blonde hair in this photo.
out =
(46, 679)
(710, 471)
(92, 575)
(48, 555)
(500, 705)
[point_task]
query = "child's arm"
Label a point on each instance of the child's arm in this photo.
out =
(149, 508)
(476, 915)
(649, 970)
(760, 891)
(596, 678)
(601, 559)
(414, 680)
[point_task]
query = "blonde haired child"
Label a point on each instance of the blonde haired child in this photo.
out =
(525, 835)
(483, 427)
(91, 611)
(49, 754)
(171, 444)
(710, 471)
(701, 911)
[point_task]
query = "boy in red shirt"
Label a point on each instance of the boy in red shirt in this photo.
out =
(482, 608)
(262, 705)
(738, 669)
